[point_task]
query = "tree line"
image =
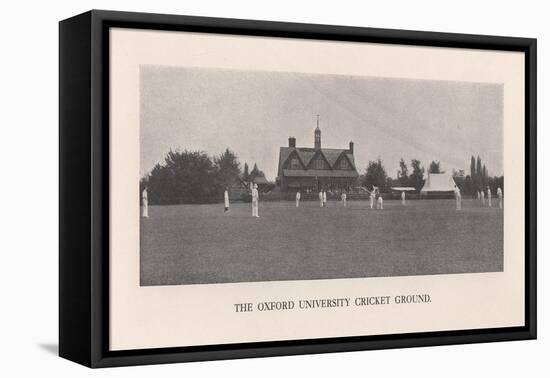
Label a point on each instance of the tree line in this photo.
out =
(478, 179)
(193, 177)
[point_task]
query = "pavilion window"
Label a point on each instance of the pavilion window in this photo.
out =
(319, 164)
(294, 163)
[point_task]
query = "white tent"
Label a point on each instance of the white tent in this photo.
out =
(438, 183)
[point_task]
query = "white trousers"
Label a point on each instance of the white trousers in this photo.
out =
(254, 208)
(145, 210)
(297, 203)
(371, 202)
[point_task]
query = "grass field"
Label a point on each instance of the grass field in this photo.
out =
(198, 244)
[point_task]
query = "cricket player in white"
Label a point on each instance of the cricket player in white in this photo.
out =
(321, 198)
(499, 195)
(255, 201)
(324, 198)
(344, 198)
(478, 195)
(489, 197)
(403, 198)
(145, 209)
(458, 198)
(380, 203)
(482, 198)
(226, 200)
(298, 196)
(372, 197)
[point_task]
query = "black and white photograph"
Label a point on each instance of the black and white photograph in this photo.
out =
(250, 176)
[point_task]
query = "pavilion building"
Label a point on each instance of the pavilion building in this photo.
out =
(307, 168)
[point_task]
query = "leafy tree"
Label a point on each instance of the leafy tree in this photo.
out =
(435, 167)
(403, 173)
(416, 179)
(478, 177)
(375, 175)
(473, 167)
(246, 175)
(184, 177)
(255, 173)
(228, 167)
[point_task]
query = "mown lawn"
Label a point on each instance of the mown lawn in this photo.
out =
(198, 244)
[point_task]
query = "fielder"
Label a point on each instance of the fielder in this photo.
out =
(499, 195)
(482, 198)
(324, 198)
(372, 197)
(458, 198)
(402, 198)
(380, 203)
(298, 196)
(226, 200)
(489, 196)
(145, 209)
(321, 198)
(344, 198)
(255, 201)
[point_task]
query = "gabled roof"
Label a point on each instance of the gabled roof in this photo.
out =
(306, 154)
(260, 180)
(439, 182)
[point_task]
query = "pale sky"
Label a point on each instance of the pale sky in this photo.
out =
(254, 113)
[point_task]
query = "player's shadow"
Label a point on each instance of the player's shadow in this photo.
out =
(51, 348)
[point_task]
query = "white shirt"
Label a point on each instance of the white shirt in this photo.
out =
(226, 198)
(144, 195)
(324, 196)
(298, 195)
(254, 194)
(321, 196)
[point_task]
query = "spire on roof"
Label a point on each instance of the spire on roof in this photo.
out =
(317, 135)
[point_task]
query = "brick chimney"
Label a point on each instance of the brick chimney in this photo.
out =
(351, 147)
(291, 142)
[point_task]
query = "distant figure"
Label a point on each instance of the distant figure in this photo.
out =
(372, 196)
(255, 201)
(402, 198)
(499, 195)
(489, 197)
(344, 198)
(298, 196)
(226, 200)
(380, 203)
(324, 198)
(320, 198)
(478, 195)
(458, 198)
(145, 209)
(482, 198)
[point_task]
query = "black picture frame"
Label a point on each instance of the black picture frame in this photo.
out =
(84, 187)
